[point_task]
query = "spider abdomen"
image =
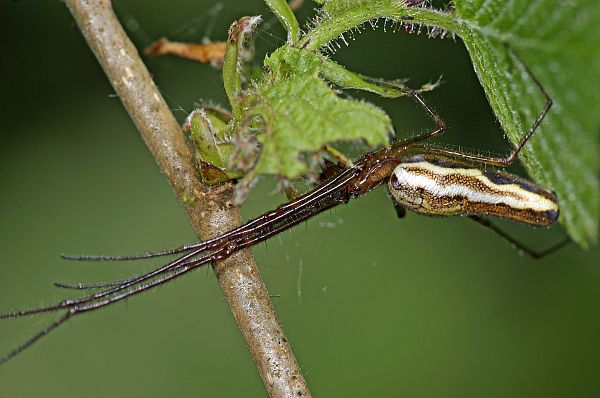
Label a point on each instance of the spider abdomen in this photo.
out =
(442, 187)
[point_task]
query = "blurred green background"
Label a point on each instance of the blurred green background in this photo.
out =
(372, 305)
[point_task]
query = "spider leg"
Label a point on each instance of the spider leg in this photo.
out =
(329, 194)
(27, 343)
(141, 256)
(400, 210)
(525, 249)
(513, 155)
(102, 285)
(70, 303)
(172, 273)
(437, 119)
(90, 286)
(250, 227)
(91, 305)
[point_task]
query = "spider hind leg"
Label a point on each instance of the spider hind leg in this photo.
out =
(516, 243)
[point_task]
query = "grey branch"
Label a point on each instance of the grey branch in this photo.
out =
(208, 211)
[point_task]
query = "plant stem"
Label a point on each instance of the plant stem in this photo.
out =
(286, 17)
(208, 212)
(333, 27)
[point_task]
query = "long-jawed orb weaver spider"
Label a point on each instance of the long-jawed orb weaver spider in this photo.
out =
(430, 180)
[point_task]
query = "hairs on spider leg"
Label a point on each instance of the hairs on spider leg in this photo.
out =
(90, 286)
(140, 256)
(101, 285)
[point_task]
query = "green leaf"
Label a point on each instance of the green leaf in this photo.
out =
(301, 114)
(558, 41)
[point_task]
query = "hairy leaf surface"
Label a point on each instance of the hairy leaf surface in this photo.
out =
(301, 113)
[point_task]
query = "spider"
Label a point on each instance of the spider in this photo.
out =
(425, 179)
